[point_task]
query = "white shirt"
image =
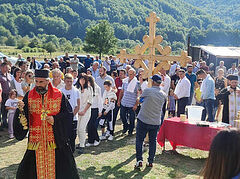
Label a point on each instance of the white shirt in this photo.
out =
(183, 88)
(75, 81)
(106, 65)
(72, 95)
(173, 69)
(232, 72)
(144, 85)
(12, 103)
(60, 85)
(97, 98)
(18, 86)
(75, 63)
(165, 85)
(85, 98)
(119, 63)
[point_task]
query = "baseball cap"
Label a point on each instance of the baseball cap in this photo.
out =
(157, 78)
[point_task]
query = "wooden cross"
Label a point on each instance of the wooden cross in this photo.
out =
(152, 43)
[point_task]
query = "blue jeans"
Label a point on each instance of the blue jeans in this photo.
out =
(208, 105)
(190, 98)
(142, 130)
(127, 112)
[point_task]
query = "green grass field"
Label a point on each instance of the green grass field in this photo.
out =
(13, 51)
(115, 159)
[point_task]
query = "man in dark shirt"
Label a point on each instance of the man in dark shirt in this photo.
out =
(5, 79)
(87, 62)
(62, 65)
(66, 58)
(175, 78)
(193, 80)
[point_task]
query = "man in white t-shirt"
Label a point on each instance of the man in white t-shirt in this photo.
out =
(73, 96)
(106, 64)
(74, 62)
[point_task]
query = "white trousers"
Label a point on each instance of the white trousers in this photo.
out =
(81, 127)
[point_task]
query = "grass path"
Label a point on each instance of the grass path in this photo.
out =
(114, 159)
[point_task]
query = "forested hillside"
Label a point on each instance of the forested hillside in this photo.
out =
(69, 19)
(228, 10)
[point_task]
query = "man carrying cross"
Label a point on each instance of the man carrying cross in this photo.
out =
(46, 114)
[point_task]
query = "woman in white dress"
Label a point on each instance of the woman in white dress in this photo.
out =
(84, 114)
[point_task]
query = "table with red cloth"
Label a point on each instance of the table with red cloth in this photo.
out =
(180, 133)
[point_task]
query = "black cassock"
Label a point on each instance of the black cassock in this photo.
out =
(224, 97)
(65, 166)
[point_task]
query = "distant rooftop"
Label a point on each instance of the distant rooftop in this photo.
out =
(222, 52)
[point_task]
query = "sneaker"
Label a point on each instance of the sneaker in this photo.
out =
(138, 164)
(110, 137)
(11, 136)
(96, 143)
(107, 134)
(149, 165)
(102, 137)
(89, 145)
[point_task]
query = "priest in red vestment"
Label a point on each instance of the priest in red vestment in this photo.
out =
(46, 115)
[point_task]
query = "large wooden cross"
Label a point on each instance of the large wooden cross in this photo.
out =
(152, 42)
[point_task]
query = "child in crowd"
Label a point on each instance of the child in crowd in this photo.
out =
(171, 104)
(198, 93)
(11, 106)
(109, 98)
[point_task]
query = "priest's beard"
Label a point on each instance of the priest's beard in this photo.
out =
(41, 90)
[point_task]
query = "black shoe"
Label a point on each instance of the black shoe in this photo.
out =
(130, 134)
(124, 130)
(138, 164)
(149, 165)
(81, 150)
(1, 128)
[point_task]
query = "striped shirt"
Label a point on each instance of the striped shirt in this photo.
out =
(129, 99)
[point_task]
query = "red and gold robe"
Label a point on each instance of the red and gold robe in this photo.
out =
(47, 144)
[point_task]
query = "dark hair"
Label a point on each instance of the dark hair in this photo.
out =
(83, 76)
(15, 71)
(201, 71)
(92, 84)
(4, 64)
(108, 83)
(114, 73)
(182, 70)
(224, 156)
(20, 63)
(13, 91)
(124, 71)
(104, 68)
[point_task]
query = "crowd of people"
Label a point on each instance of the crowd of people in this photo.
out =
(97, 90)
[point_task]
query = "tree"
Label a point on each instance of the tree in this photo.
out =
(34, 43)
(11, 41)
(100, 38)
(50, 47)
(23, 42)
(76, 41)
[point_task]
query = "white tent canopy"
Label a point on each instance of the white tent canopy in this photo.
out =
(222, 52)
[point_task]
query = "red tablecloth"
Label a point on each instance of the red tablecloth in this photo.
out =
(184, 134)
